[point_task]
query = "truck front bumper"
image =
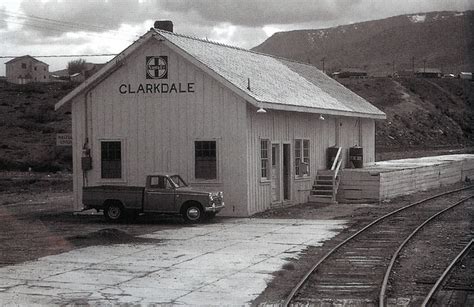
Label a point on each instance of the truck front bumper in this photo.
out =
(215, 208)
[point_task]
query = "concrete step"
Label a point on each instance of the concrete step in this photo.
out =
(321, 193)
(325, 173)
(323, 182)
(319, 199)
(322, 187)
(324, 178)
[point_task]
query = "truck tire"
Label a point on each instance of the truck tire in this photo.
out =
(113, 211)
(193, 213)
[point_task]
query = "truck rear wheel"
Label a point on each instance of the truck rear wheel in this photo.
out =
(113, 211)
(193, 213)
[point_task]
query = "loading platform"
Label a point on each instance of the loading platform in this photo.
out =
(388, 179)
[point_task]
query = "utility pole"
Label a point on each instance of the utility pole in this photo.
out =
(323, 60)
(413, 65)
(424, 66)
(393, 68)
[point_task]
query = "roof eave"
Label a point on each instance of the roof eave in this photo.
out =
(104, 72)
(290, 108)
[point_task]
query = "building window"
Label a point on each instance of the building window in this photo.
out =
(35, 68)
(111, 160)
(302, 162)
(23, 65)
(264, 159)
(205, 160)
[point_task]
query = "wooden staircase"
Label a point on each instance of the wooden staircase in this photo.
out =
(326, 183)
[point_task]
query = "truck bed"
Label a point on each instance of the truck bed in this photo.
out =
(130, 196)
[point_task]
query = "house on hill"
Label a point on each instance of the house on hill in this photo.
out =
(428, 73)
(354, 73)
(26, 69)
(252, 125)
(87, 72)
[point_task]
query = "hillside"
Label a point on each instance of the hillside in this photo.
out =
(28, 127)
(421, 114)
(444, 39)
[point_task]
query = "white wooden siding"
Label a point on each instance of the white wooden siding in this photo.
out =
(159, 130)
(285, 127)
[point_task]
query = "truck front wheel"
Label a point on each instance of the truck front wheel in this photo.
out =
(113, 212)
(193, 213)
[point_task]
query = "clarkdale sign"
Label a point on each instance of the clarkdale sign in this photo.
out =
(156, 69)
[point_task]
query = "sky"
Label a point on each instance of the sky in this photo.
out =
(81, 27)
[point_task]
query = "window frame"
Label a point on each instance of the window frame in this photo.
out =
(218, 161)
(268, 160)
(299, 146)
(123, 155)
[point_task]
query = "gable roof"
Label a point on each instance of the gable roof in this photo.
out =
(24, 57)
(260, 79)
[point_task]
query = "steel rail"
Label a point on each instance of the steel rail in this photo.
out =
(395, 255)
(445, 274)
(332, 251)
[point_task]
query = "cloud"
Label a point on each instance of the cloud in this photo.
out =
(253, 13)
(196, 15)
(3, 23)
(93, 16)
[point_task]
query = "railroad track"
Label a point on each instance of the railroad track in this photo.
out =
(432, 300)
(353, 271)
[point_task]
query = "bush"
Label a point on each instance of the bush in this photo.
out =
(43, 113)
(32, 88)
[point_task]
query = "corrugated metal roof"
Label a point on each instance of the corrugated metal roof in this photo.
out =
(274, 80)
(275, 83)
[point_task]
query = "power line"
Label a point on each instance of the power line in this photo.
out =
(60, 55)
(64, 30)
(54, 21)
(82, 26)
(52, 25)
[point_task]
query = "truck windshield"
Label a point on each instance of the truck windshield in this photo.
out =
(178, 181)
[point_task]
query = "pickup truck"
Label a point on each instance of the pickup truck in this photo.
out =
(163, 193)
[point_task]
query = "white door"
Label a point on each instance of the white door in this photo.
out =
(275, 173)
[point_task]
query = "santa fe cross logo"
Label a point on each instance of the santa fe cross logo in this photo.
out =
(157, 67)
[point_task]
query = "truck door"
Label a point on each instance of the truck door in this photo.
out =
(160, 195)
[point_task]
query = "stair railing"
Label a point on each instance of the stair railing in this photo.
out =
(336, 166)
(338, 156)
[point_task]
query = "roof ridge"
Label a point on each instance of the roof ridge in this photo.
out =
(201, 39)
(233, 47)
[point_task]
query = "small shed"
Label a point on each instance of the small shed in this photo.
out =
(428, 73)
(465, 75)
(26, 69)
(354, 73)
(254, 126)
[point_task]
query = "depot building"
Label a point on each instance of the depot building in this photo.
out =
(226, 119)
